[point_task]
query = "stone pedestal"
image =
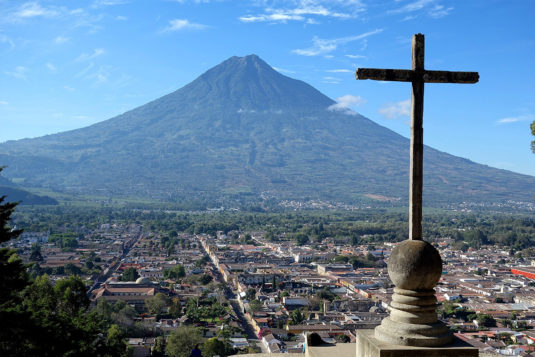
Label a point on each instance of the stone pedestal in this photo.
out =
(415, 268)
(369, 346)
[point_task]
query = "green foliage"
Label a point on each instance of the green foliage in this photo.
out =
(64, 240)
(216, 347)
(182, 340)
(129, 274)
(35, 254)
(6, 209)
(532, 126)
(296, 317)
(202, 262)
(157, 304)
(177, 272)
(55, 321)
(342, 338)
(250, 294)
(255, 305)
(205, 279)
(301, 238)
(198, 309)
(486, 320)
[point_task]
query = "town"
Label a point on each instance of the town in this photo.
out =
(249, 291)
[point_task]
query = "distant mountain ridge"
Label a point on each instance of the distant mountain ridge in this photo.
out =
(243, 130)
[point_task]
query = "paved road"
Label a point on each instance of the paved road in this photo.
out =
(249, 330)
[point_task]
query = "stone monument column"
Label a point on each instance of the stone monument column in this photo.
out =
(414, 266)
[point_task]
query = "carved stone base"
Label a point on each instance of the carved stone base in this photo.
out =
(369, 346)
(413, 320)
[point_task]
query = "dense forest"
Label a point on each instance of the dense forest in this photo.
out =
(345, 227)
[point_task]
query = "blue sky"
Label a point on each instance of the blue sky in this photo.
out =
(68, 64)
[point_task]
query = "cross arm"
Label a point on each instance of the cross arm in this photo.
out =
(406, 75)
(450, 77)
(398, 75)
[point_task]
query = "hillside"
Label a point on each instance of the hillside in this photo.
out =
(243, 130)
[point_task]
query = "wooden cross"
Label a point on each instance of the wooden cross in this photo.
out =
(418, 76)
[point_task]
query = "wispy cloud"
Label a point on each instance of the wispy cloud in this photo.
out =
(61, 39)
(345, 102)
(322, 46)
(5, 39)
(69, 88)
(3, 102)
(121, 18)
(431, 7)
(89, 56)
(305, 10)
(396, 110)
(332, 80)
(355, 56)
(339, 71)
(520, 118)
(439, 11)
(282, 70)
(19, 72)
(104, 3)
(183, 24)
(51, 67)
(33, 9)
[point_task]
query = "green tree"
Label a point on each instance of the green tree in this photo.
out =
(301, 238)
(157, 304)
(129, 274)
(175, 273)
(486, 320)
(255, 305)
(116, 341)
(205, 279)
(215, 347)
(159, 347)
(250, 294)
(35, 254)
(182, 340)
(296, 317)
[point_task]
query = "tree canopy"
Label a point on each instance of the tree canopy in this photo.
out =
(533, 133)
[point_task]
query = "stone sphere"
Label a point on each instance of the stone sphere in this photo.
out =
(415, 265)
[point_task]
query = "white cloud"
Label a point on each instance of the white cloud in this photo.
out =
(431, 7)
(355, 56)
(282, 70)
(60, 39)
(413, 6)
(182, 24)
(51, 67)
(440, 11)
(34, 9)
(5, 39)
(89, 56)
(121, 18)
(332, 80)
(69, 88)
(19, 72)
(396, 110)
(322, 46)
(103, 3)
(305, 10)
(3, 102)
(345, 102)
(339, 71)
(509, 120)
